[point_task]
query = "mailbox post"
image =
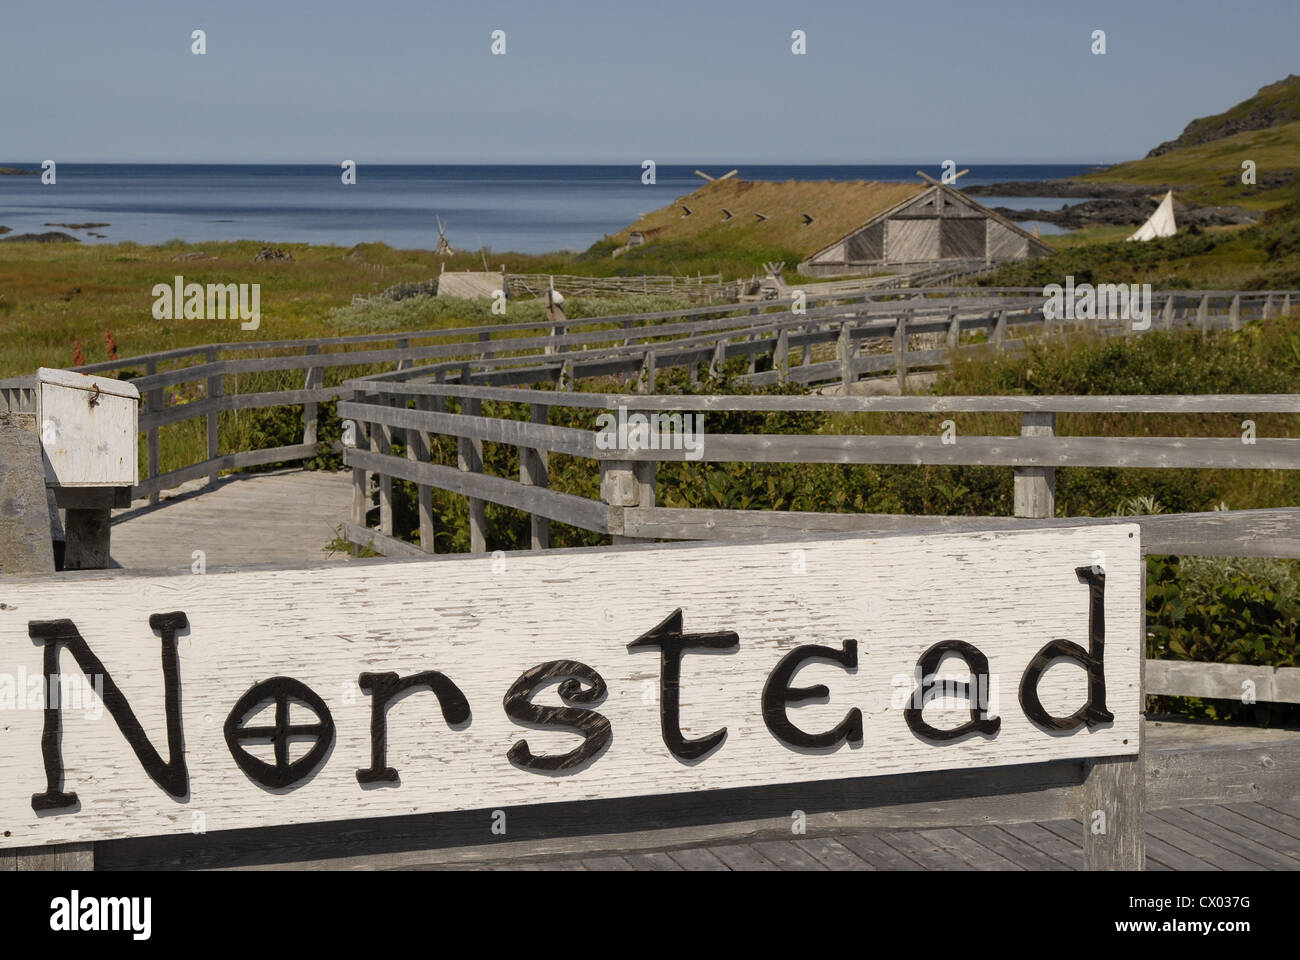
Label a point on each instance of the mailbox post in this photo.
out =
(89, 440)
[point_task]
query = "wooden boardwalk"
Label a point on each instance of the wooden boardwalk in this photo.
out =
(1238, 836)
(284, 517)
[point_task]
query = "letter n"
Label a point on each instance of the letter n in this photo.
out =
(172, 776)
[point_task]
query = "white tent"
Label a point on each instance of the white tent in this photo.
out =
(1159, 224)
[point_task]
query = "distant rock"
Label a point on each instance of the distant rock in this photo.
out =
(79, 226)
(272, 254)
(1130, 211)
(11, 172)
(4, 230)
(51, 237)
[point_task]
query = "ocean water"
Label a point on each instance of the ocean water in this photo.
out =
(528, 209)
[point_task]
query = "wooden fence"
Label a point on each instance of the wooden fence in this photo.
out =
(410, 413)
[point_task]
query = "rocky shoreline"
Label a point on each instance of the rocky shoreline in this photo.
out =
(1108, 204)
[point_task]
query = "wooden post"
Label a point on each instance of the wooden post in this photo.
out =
(1234, 313)
(621, 485)
(469, 454)
(314, 379)
(845, 350)
(1114, 795)
(649, 374)
(781, 355)
(717, 367)
(534, 470)
(1203, 316)
(1035, 487)
(805, 356)
(215, 389)
(954, 331)
(1167, 318)
(419, 450)
(360, 481)
(153, 403)
(403, 343)
(384, 437)
(900, 351)
(1268, 307)
(999, 330)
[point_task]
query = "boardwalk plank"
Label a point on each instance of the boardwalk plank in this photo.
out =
(1226, 838)
(972, 851)
(1071, 854)
(925, 852)
(1196, 846)
(876, 852)
(652, 861)
(831, 852)
(1264, 839)
(1012, 848)
(1283, 823)
(697, 858)
(740, 856)
(787, 856)
(607, 863)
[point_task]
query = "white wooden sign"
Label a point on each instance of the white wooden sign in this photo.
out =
(224, 701)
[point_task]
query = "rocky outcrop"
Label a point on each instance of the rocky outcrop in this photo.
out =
(1131, 211)
(1272, 106)
(52, 236)
(268, 254)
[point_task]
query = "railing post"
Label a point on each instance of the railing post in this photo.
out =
(1268, 307)
(384, 439)
(845, 350)
(999, 330)
(1234, 313)
(900, 350)
(805, 355)
(649, 374)
(418, 449)
(1035, 487)
(621, 486)
(153, 403)
(216, 389)
(954, 331)
(1167, 318)
(360, 480)
(1114, 795)
(534, 471)
(781, 355)
(314, 379)
(403, 343)
(1203, 316)
(718, 365)
(469, 454)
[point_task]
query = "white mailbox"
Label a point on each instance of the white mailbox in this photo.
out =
(89, 429)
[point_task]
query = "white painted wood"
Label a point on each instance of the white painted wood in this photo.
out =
(484, 621)
(88, 429)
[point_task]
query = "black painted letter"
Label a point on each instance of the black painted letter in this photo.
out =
(593, 726)
(1094, 711)
(383, 687)
(281, 691)
(672, 643)
(979, 708)
(777, 694)
(172, 776)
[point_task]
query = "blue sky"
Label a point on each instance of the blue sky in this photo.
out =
(619, 82)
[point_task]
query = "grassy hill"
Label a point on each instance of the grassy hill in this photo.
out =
(1205, 161)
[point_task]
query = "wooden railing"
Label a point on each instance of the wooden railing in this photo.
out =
(871, 335)
(411, 413)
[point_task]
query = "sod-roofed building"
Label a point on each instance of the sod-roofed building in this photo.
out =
(841, 228)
